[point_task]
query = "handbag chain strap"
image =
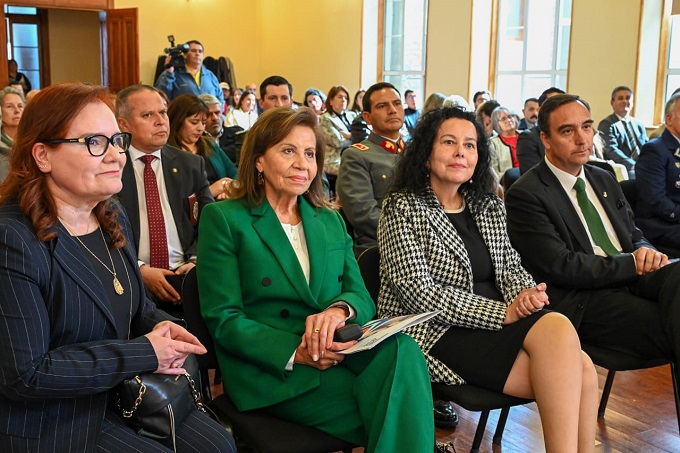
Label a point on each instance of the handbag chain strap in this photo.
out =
(198, 401)
(138, 400)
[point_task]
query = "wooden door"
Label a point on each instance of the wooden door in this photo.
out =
(122, 48)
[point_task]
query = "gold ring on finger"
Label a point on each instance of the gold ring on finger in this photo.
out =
(317, 330)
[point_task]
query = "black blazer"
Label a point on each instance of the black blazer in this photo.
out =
(60, 353)
(545, 229)
(184, 175)
(530, 149)
(658, 185)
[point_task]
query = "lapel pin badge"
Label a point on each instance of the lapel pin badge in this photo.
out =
(604, 194)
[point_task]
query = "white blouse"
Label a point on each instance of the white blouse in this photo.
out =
(296, 236)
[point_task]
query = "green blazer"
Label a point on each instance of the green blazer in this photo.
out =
(255, 298)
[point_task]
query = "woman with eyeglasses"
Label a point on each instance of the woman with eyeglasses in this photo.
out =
(74, 319)
(504, 144)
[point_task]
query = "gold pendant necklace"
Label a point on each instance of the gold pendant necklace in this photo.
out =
(117, 287)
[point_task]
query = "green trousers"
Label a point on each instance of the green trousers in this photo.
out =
(380, 399)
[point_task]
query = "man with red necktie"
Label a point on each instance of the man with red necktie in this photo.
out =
(164, 190)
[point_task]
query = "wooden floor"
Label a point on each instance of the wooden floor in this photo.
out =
(640, 418)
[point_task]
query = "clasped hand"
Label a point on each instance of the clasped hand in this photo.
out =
(648, 260)
(527, 302)
(317, 346)
(172, 344)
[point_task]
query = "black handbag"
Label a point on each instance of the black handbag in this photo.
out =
(155, 404)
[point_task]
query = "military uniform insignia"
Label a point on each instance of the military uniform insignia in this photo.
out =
(360, 146)
(677, 153)
(677, 184)
(677, 165)
(389, 146)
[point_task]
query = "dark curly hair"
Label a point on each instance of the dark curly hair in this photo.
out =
(412, 173)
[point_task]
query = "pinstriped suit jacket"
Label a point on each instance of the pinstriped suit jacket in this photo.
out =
(424, 266)
(59, 354)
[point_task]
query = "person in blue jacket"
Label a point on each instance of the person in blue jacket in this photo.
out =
(192, 79)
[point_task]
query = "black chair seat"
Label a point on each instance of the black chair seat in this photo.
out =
(268, 434)
(618, 361)
(261, 432)
(475, 398)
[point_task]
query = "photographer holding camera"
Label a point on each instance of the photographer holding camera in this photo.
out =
(186, 73)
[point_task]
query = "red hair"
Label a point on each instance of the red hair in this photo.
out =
(48, 117)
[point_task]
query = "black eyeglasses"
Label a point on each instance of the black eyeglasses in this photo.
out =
(98, 144)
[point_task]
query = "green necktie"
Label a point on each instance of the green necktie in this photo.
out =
(595, 225)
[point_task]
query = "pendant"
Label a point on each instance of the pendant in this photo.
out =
(117, 286)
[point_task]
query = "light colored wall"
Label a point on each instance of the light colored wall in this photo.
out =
(448, 47)
(74, 46)
(224, 27)
(603, 53)
(310, 43)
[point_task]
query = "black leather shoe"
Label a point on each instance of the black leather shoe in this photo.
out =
(445, 415)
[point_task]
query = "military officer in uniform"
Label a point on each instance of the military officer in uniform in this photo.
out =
(366, 170)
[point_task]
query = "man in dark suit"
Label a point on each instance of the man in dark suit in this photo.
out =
(530, 150)
(181, 188)
(624, 134)
(575, 231)
(658, 182)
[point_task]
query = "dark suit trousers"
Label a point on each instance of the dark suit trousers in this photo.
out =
(642, 319)
(197, 434)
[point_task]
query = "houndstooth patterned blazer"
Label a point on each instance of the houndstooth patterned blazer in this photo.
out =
(424, 266)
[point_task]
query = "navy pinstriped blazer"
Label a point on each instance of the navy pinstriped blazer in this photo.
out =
(59, 354)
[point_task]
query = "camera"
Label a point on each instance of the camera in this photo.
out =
(176, 53)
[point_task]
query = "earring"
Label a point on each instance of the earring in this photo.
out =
(42, 166)
(260, 178)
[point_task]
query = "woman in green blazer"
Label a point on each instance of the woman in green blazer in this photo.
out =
(277, 276)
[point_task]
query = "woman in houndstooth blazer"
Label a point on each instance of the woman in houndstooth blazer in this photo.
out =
(443, 245)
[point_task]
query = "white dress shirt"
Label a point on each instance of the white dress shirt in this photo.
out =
(175, 251)
(567, 181)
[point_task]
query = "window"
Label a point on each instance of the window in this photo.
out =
(532, 49)
(673, 64)
(23, 41)
(404, 48)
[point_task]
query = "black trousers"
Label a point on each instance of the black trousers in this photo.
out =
(642, 319)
